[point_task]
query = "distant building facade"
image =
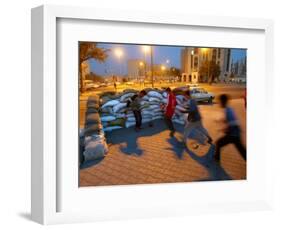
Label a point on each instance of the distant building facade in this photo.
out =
(192, 59)
(239, 68)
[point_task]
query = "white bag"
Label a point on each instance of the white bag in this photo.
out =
(118, 107)
(126, 96)
(155, 94)
(110, 103)
(108, 118)
(95, 149)
(154, 99)
(129, 124)
(110, 128)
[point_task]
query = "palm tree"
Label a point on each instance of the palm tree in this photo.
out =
(89, 50)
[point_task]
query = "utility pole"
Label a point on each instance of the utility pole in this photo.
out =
(151, 61)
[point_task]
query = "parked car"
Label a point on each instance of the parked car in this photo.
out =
(88, 84)
(192, 85)
(103, 84)
(200, 95)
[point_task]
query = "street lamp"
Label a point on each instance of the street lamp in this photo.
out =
(119, 54)
(147, 49)
(141, 64)
(163, 68)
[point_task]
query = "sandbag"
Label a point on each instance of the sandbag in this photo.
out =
(146, 120)
(108, 118)
(157, 117)
(93, 118)
(107, 110)
(118, 107)
(117, 122)
(164, 100)
(154, 99)
(130, 91)
(145, 98)
(154, 94)
(178, 121)
(131, 119)
(129, 124)
(164, 94)
(110, 103)
(155, 106)
(111, 128)
(92, 130)
(126, 96)
(95, 149)
(93, 106)
(180, 108)
(157, 114)
(147, 112)
(91, 110)
(144, 103)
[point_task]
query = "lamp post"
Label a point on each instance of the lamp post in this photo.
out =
(163, 68)
(146, 49)
(119, 54)
(141, 64)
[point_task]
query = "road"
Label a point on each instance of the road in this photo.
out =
(235, 91)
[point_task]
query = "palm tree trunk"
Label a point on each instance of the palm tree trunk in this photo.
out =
(82, 89)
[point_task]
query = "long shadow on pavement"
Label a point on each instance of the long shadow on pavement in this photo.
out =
(216, 172)
(129, 137)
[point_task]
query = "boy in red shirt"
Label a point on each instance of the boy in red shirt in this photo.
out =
(170, 110)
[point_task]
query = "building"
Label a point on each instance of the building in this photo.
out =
(193, 58)
(136, 69)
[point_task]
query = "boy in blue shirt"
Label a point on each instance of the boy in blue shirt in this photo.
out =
(232, 131)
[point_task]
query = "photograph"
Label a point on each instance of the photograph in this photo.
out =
(154, 113)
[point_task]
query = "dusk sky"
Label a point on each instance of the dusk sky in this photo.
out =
(160, 55)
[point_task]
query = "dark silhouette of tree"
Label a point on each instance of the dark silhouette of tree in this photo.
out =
(210, 70)
(89, 50)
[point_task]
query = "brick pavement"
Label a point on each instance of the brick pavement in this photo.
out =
(151, 156)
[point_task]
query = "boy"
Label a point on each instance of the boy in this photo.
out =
(232, 130)
(170, 110)
(134, 104)
(194, 120)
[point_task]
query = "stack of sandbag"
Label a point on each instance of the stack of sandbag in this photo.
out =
(115, 114)
(92, 135)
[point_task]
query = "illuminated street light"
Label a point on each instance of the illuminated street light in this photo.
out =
(119, 53)
(147, 49)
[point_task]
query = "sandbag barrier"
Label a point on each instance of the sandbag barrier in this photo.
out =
(93, 144)
(114, 113)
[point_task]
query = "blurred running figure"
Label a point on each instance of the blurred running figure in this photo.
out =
(194, 120)
(170, 110)
(232, 131)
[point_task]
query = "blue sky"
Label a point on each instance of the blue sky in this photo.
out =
(161, 53)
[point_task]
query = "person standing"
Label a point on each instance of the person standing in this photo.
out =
(134, 104)
(115, 86)
(194, 120)
(232, 131)
(170, 110)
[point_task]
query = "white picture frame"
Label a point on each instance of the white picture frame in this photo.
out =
(46, 166)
